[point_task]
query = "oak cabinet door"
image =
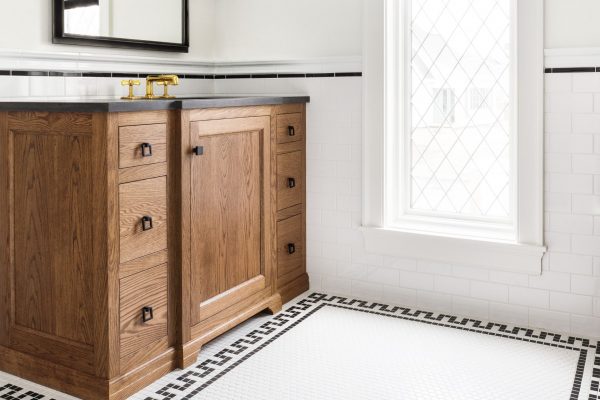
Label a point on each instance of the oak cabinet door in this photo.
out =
(230, 213)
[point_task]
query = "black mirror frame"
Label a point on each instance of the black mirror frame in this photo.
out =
(60, 37)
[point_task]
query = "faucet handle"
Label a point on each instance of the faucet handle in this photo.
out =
(131, 83)
(166, 85)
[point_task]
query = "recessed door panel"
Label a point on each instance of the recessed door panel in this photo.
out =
(228, 212)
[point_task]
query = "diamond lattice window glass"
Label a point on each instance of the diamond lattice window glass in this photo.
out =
(460, 119)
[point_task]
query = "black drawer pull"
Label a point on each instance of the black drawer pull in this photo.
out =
(146, 150)
(291, 131)
(291, 183)
(291, 247)
(147, 314)
(147, 223)
(198, 150)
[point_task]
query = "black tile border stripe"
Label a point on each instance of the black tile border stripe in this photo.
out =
(96, 74)
(564, 70)
(99, 74)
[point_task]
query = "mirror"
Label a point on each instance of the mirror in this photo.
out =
(139, 24)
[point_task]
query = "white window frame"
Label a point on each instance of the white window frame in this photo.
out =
(521, 248)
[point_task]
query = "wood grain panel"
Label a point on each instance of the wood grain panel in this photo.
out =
(130, 144)
(64, 379)
(289, 166)
(48, 347)
(227, 319)
(183, 157)
(6, 244)
(231, 221)
(146, 289)
(215, 304)
(284, 122)
(228, 113)
(143, 263)
(227, 218)
(144, 374)
(105, 218)
(51, 123)
(53, 242)
(142, 118)
(143, 172)
(139, 199)
(290, 231)
(290, 212)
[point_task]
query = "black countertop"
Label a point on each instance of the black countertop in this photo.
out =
(119, 105)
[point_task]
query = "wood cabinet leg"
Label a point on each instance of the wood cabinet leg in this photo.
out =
(275, 305)
(188, 356)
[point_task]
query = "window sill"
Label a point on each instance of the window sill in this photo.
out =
(496, 255)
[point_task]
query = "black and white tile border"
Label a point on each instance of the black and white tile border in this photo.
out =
(14, 392)
(188, 383)
(194, 380)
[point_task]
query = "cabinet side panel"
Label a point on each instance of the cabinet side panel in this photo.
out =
(106, 244)
(5, 224)
(53, 239)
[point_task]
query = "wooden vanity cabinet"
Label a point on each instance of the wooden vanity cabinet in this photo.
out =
(128, 240)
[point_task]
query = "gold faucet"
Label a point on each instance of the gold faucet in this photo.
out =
(164, 80)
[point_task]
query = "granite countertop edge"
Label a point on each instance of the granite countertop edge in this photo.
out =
(118, 105)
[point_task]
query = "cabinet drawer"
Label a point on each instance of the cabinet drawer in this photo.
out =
(143, 312)
(290, 246)
(142, 145)
(290, 179)
(289, 128)
(143, 218)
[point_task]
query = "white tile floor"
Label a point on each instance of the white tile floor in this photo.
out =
(327, 347)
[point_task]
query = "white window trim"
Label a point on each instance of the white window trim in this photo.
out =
(521, 255)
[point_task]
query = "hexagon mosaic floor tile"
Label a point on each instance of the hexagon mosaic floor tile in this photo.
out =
(330, 347)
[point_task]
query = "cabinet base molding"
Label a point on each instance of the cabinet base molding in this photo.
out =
(235, 315)
(134, 381)
(80, 384)
(53, 375)
(294, 288)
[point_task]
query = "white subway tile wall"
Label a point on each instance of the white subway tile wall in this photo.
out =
(565, 298)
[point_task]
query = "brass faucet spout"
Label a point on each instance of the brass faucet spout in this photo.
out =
(164, 80)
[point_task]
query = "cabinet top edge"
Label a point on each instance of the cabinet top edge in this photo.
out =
(83, 105)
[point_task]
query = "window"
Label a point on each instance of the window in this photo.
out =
(458, 153)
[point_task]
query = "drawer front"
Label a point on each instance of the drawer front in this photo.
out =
(143, 218)
(290, 246)
(142, 145)
(143, 311)
(290, 179)
(290, 128)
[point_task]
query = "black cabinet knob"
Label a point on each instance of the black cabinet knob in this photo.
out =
(146, 150)
(291, 247)
(291, 183)
(198, 150)
(147, 314)
(291, 131)
(147, 223)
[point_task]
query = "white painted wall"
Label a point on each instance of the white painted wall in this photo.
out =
(572, 23)
(27, 25)
(279, 29)
(287, 29)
